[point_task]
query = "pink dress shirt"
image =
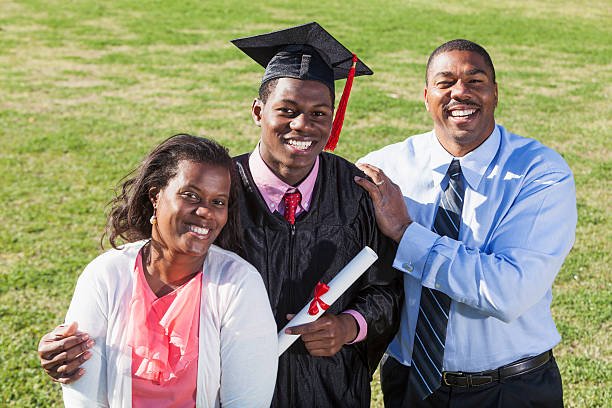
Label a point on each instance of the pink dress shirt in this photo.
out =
(273, 189)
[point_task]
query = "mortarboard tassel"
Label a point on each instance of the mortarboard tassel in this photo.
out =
(339, 119)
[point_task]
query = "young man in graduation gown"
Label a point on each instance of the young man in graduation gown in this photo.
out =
(333, 222)
(304, 220)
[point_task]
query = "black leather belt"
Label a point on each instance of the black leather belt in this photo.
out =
(459, 379)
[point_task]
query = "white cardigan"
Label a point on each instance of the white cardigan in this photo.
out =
(237, 359)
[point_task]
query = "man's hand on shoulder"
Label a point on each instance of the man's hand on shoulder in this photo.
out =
(391, 213)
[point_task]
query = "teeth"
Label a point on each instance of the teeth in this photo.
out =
(199, 230)
(300, 144)
(461, 113)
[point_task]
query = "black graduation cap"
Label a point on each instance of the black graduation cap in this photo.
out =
(289, 53)
(306, 52)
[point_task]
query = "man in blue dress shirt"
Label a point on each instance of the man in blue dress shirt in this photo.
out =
(515, 204)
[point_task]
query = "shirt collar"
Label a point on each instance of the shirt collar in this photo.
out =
(473, 164)
(273, 189)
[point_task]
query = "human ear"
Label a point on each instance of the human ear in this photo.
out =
(154, 196)
(256, 109)
(425, 99)
(495, 105)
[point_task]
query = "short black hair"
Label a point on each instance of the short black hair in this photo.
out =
(266, 88)
(460, 45)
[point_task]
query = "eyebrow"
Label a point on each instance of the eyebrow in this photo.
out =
(442, 74)
(194, 187)
(476, 71)
(291, 101)
(473, 71)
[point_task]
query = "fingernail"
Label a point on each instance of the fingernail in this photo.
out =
(87, 355)
(81, 371)
(90, 343)
(288, 331)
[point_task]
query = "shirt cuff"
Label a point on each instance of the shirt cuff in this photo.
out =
(361, 323)
(413, 250)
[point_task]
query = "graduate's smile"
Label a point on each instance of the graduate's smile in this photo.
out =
(300, 145)
(295, 124)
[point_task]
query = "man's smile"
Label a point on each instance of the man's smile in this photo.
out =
(302, 145)
(460, 113)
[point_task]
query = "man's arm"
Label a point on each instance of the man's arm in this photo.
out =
(526, 249)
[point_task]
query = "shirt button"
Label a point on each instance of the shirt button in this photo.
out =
(437, 286)
(408, 266)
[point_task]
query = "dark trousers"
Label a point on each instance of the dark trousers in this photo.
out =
(537, 388)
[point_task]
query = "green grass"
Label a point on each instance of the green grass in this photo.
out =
(87, 88)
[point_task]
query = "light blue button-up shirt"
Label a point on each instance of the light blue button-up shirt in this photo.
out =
(517, 226)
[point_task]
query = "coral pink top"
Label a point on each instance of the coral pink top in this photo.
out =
(163, 334)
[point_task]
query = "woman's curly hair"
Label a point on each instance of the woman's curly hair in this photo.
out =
(131, 209)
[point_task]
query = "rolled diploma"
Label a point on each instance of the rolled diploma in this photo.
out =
(337, 286)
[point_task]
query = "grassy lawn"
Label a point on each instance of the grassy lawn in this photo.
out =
(87, 88)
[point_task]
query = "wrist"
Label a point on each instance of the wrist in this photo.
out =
(399, 233)
(351, 327)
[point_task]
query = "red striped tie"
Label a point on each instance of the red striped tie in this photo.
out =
(292, 200)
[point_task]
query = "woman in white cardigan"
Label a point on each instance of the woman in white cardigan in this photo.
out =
(177, 321)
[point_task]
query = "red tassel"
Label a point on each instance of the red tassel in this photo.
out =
(339, 119)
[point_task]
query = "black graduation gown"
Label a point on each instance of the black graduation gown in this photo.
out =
(292, 259)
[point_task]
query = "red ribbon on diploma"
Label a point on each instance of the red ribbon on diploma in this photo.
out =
(319, 291)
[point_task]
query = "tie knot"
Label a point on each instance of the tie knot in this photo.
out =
(291, 200)
(454, 170)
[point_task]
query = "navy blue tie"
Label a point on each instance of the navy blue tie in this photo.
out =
(428, 351)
